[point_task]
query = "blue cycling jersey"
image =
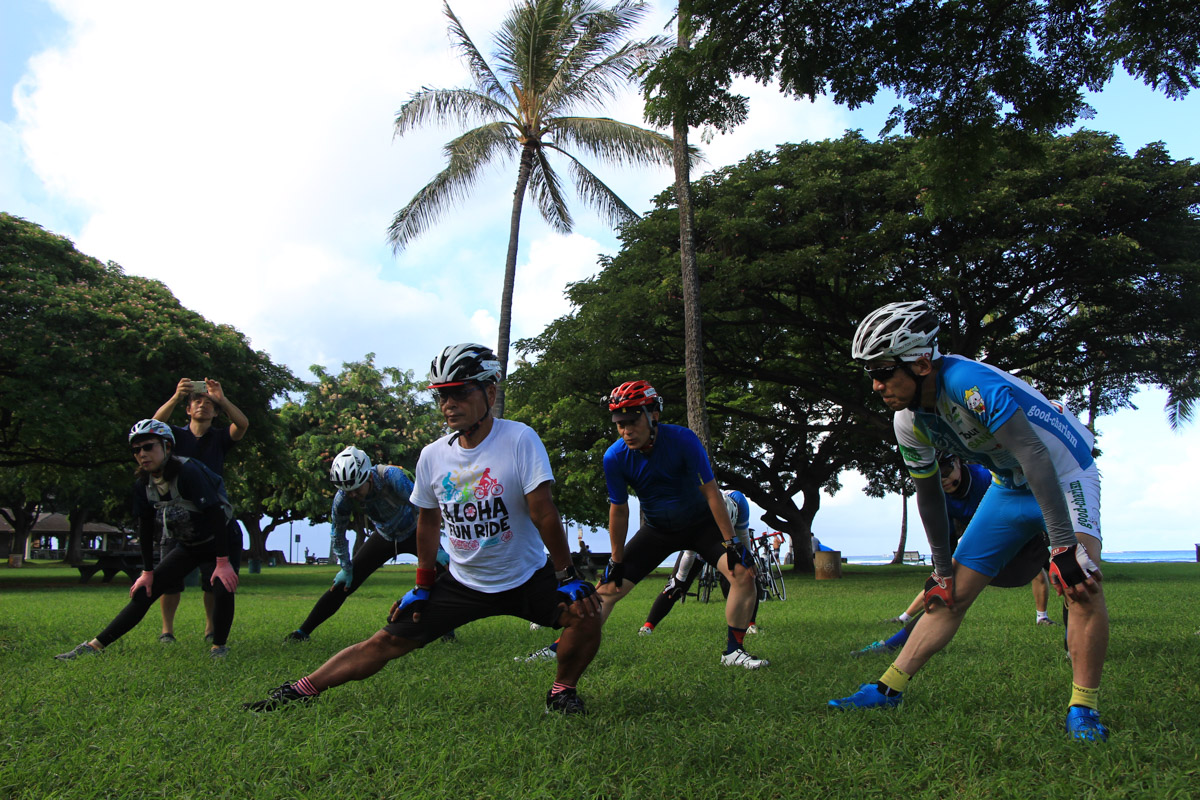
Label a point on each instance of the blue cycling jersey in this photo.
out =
(963, 508)
(739, 511)
(666, 481)
(387, 507)
(973, 400)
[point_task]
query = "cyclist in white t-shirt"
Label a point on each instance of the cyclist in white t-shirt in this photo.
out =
(487, 486)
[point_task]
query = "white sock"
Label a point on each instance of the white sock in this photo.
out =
(1043, 615)
(904, 617)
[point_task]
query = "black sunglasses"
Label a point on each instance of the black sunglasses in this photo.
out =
(457, 394)
(144, 447)
(882, 374)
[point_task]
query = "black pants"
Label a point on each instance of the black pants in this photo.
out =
(170, 572)
(375, 552)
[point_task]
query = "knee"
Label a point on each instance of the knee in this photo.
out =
(743, 578)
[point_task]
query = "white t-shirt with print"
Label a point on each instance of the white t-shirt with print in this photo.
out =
(480, 491)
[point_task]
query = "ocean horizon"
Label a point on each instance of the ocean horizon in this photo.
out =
(1117, 556)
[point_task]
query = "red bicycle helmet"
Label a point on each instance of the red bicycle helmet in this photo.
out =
(633, 396)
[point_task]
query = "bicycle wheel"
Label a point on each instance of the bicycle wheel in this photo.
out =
(708, 579)
(762, 578)
(776, 573)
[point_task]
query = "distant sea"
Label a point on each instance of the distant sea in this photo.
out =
(1123, 556)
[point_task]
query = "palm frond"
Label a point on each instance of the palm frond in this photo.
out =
(547, 192)
(443, 106)
(481, 73)
(611, 140)
(591, 82)
(595, 193)
(1181, 405)
(467, 156)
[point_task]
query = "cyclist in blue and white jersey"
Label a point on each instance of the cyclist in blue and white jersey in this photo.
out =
(383, 494)
(965, 486)
(688, 567)
(1044, 479)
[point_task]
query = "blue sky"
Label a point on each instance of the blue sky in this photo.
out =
(243, 154)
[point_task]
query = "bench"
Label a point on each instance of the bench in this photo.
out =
(590, 565)
(110, 564)
(909, 557)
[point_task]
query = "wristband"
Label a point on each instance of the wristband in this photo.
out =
(565, 574)
(426, 577)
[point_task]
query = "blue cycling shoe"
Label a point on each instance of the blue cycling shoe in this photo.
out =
(1084, 723)
(868, 696)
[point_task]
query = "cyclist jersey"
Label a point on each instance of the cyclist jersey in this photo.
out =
(387, 507)
(666, 481)
(973, 400)
(739, 514)
(963, 508)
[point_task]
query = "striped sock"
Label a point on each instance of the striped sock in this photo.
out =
(554, 645)
(304, 686)
(559, 686)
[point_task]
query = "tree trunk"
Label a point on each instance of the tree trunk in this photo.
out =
(898, 558)
(78, 518)
(22, 518)
(510, 277)
(258, 539)
(693, 347)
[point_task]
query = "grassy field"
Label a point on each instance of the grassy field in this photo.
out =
(463, 721)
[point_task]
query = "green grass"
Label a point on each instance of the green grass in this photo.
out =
(982, 720)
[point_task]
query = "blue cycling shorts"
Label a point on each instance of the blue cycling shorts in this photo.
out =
(1008, 518)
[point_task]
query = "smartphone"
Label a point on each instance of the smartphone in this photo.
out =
(199, 387)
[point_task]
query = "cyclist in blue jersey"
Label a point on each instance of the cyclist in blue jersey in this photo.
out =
(383, 494)
(667, 467)
(964, 486)
(1044, 479)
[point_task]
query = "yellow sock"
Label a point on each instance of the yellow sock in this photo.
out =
(1083, 696)
(895, 678)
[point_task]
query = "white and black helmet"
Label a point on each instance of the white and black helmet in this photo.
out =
(901, 331)
(463, 363)
(152, 427)
(350, 469)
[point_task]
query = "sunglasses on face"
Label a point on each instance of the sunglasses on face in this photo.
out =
(144, 447)
(457, 394)
(882, 374)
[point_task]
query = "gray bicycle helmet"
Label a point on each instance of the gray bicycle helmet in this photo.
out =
(901, 331)
(350, 469)
(463, 363)
(152, 427)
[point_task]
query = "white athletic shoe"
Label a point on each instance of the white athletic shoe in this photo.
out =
(533, 626)
(752, 629)
(645, 630)
(545, 654)
(740, 658)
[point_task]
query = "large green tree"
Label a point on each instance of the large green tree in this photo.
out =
(967, 75)
(87, 351)
(1073, 264)
(380, 410)
(553, 58)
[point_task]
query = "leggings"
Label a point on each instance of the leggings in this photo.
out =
(374, 553)
(170, 572)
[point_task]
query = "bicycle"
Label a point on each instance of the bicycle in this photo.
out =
(768, 572)
(708, 580)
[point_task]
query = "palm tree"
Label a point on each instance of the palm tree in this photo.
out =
(552, 57)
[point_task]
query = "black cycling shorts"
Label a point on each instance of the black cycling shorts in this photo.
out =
(650, 546)
(452, 605)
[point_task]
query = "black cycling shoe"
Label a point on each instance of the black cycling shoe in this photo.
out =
(565, 702)
(278, 698)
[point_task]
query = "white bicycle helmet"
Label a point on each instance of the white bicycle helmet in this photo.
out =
(731, 506)
(151, 427)
(902, 331)
(350, 469)
(463, 363)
